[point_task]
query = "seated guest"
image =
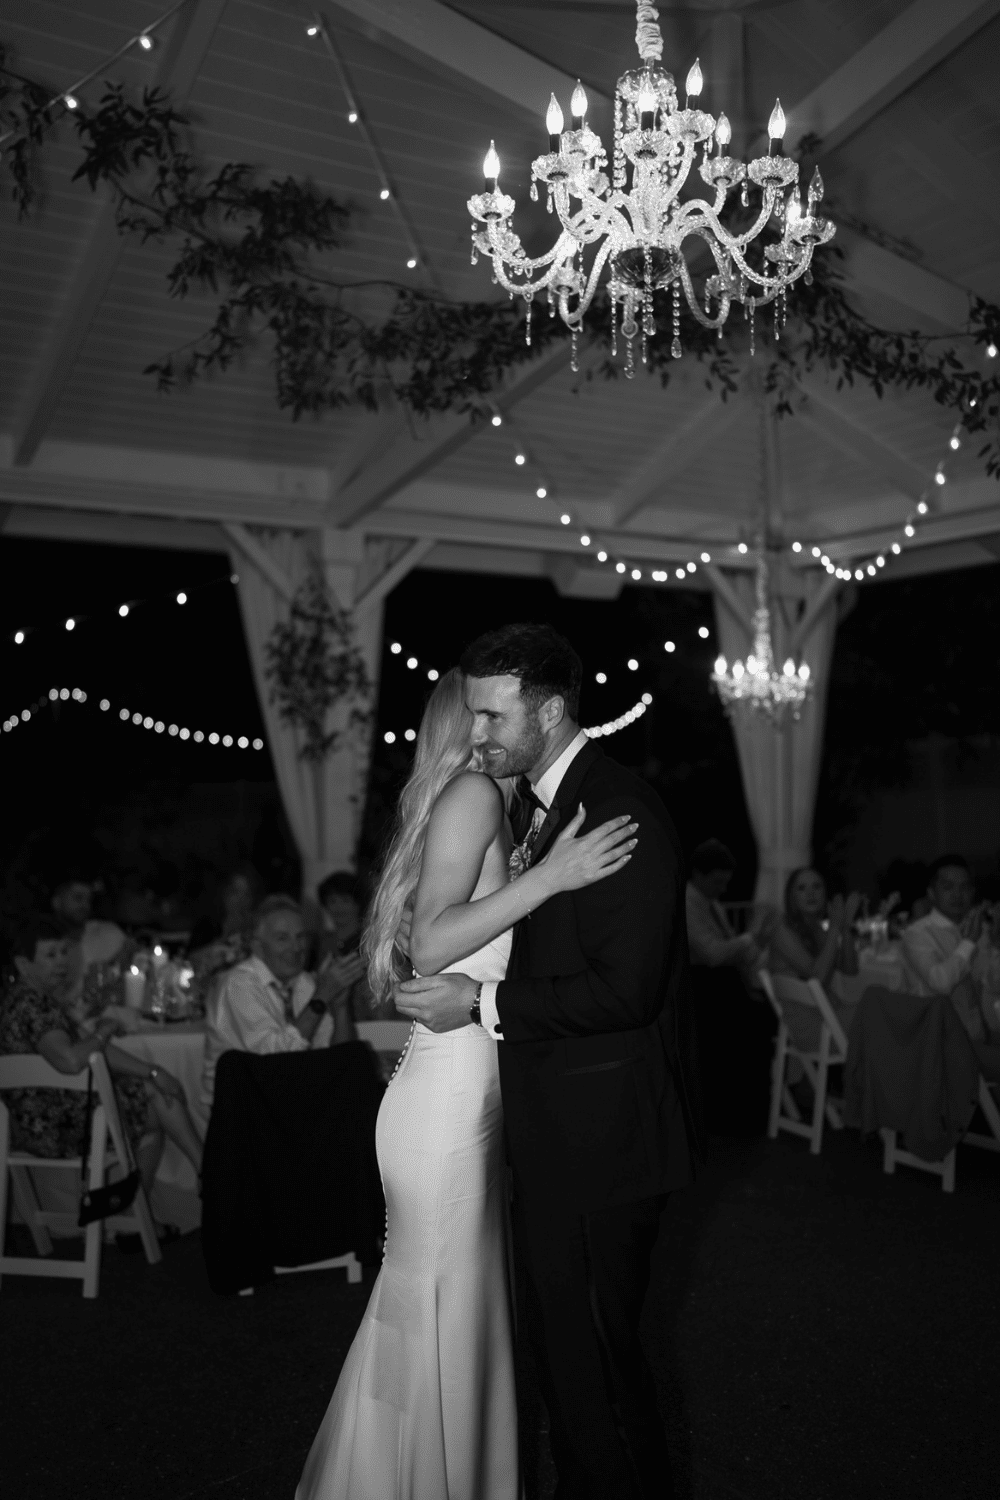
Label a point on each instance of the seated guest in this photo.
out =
(340, 903)
(89, 940)
(35, 1018)
(940, 949)
(230, 921)
(711, 939)
(734, 1027)
(268, 1004)
(801, 945)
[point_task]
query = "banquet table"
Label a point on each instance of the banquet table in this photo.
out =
(880, 966)
(180, 1050)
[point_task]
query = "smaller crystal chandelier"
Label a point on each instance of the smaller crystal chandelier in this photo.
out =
(759, 686)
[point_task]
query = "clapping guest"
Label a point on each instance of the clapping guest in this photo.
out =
(735, 1027)
(268, 1003)
(940, 949)
(814, 938)
(340, 903)
(711, 939)
(35, 1018)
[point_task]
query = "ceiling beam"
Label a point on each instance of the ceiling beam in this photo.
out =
(117, 530)
(829, 421)
(384, 585)
(176, 72)
(671, 456)
(941, 302)
(919, 38)
(435, 35)
(261, 559)
(414, 456)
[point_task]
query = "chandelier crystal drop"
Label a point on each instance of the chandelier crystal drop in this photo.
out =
(759, 686)
(647, 236)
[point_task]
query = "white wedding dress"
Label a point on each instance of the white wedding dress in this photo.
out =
(424, 1408)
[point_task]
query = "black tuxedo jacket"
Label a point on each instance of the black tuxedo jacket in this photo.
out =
(596, 1066)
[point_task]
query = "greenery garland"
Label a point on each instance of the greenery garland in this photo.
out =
(262, 249)
(313, 664)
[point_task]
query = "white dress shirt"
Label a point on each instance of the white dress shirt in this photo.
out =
(248, 1015)
(545, 789)
(936, 956)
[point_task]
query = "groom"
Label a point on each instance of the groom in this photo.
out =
(592, 1020)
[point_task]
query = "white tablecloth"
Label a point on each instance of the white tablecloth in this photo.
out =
(181, 1051)
(884, 968)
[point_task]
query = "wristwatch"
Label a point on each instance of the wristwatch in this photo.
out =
(475, 1014)
(318, 1007)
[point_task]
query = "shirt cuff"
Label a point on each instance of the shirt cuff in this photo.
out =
(488, 1010)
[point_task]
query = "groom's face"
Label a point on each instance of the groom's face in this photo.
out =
(506, 731)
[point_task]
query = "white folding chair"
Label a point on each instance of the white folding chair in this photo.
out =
(893, 1154)
(108, 1148)
(802, 1007)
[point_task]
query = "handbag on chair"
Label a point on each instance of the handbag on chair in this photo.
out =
(114, 1197)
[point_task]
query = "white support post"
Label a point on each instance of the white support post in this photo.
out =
(780, 767)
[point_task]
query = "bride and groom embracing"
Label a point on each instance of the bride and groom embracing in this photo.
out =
(537, 888)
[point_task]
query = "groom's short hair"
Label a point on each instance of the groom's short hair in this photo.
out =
(543, 661)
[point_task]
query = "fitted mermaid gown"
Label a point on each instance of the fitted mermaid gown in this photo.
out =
(424, 1408)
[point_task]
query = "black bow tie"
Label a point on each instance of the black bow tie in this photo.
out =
(527, 794)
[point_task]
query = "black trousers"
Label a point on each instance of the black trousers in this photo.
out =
(585, 1279)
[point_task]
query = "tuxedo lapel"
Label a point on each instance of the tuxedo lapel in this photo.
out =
(566, 799)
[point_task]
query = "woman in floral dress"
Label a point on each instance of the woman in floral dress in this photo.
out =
(49, 1122)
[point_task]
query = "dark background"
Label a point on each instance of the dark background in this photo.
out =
(917, 664)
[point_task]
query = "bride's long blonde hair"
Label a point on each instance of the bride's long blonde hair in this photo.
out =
(444, 748)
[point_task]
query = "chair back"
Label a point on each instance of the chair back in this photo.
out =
(796, 1002)
(23, 1070)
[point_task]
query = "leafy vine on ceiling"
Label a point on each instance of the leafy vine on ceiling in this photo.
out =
(266, 252)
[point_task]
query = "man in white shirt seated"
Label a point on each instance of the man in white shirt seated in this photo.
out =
(939, 950)
(268, 1004)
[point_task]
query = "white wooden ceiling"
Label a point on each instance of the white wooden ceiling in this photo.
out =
(903, 91)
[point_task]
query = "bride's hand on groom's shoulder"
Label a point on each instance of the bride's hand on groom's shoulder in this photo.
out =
(577, 860)
(441, 1002)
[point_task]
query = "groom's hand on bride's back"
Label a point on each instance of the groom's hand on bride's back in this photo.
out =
(441, 1002)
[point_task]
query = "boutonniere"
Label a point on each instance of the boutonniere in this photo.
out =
(520, 858)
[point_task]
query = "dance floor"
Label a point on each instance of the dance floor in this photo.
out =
(818, 1331)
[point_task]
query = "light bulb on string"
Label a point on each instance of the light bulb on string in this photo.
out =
(146, 43)
(541, 492)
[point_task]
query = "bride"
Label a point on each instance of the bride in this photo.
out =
(424, 1408)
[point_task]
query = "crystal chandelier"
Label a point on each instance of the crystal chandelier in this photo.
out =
(759, 685)
(639, 221)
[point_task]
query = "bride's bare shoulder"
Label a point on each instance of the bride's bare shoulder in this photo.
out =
(470, 794)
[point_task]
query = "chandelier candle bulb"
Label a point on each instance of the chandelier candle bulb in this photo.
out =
(723, 133)
(695, 82)
(554, 123)
(491, 168)
(578, 105)
(776, 122)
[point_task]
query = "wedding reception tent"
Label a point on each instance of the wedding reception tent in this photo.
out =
(596, 483)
